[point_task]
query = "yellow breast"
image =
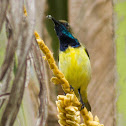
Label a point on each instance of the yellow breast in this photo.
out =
(75, 65)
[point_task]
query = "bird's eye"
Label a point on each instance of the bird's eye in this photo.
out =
(66, 24)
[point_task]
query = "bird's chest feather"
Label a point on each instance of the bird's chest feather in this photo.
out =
(75, 65)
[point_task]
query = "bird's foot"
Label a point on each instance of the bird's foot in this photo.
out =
(83, 105)
(71, 88)
(64, 93)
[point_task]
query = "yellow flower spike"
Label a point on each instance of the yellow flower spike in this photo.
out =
(36, 35)
(96, 119)
(67, 100)
(90, 115)
(55, 80)
(78, 119)
(52, 66)
(66, 105)
(48, 56)
(65, 87)
(71, 110)
(72, 99)
(62, 104)
(61, 109)
(55, 70)
(82, 124)
(78, 113)
(25, 12)
(72, 123)
(76, 102)
(72, 114)
(58, 105)
(62, 116)
(73, 118)
(93, 123)
(62, 122)
(84, 113)
(58, 110)
(61, 97)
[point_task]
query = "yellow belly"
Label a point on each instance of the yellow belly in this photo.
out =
(75, 65)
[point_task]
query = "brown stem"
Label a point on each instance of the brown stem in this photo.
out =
(3, 8)
(43, 94)
(26, 28)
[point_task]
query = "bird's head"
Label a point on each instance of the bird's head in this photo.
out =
(63, 32)
(61, 26)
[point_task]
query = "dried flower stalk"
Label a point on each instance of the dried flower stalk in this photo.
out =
(70, 104)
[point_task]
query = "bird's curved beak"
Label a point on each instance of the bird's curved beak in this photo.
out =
(53, 19)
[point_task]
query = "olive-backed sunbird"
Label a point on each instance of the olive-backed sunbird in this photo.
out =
(74, 61)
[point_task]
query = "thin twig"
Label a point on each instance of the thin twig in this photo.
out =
(3, 96)
(15, 20)
(3, 8)
(14, 102)
(5, 83)
(17, 90)
(38, 65)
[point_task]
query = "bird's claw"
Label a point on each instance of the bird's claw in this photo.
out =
(83, 105)
(71, 88)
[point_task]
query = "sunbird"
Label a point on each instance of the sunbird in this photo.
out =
(74, 61)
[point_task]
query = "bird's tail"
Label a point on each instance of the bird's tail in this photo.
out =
(84, 100)
(87, 105)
